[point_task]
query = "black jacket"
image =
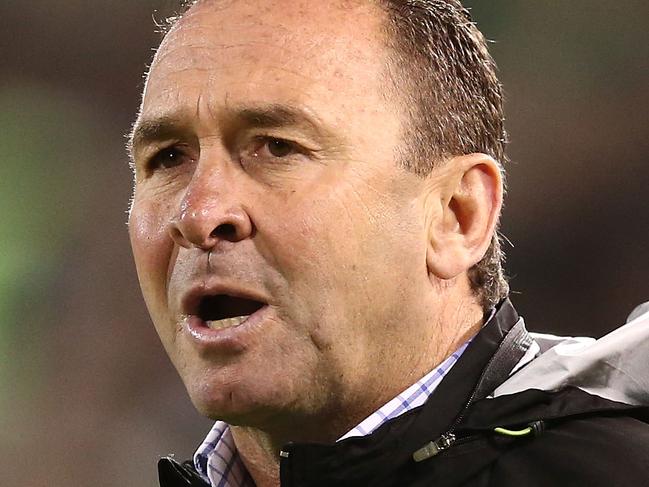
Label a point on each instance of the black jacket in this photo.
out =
(468, 433)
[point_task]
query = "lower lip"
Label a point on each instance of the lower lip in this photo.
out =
(232, 339)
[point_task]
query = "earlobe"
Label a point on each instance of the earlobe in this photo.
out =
(469, 197)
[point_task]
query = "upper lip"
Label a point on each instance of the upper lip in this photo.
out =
(191, 300)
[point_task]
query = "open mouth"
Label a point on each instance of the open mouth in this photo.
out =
(223, 311)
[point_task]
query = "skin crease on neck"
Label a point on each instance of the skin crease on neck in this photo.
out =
(363, 264)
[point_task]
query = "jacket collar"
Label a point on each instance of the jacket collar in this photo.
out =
(487, 362)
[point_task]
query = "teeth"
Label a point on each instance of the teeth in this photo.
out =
(226, 323)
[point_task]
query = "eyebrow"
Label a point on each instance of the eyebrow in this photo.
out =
(151, 130)
(275, 116)
(263, 116)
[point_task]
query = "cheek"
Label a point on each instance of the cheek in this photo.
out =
(314, 248)
(152, 249)
(303, 239)
(345, 247)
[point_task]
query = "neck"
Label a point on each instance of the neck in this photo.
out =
(260, 455)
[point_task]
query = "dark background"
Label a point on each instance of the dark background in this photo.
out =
(87, 396)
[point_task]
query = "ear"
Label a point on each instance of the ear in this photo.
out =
(463, 212)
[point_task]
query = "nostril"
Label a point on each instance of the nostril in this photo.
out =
(225, 230)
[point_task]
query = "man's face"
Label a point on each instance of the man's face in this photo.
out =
(267, 141)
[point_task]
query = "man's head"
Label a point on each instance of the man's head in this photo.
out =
(444, 79)
(283, 173)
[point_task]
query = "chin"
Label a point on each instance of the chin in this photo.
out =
(235, 403)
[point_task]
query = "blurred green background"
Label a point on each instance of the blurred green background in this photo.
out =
(87, 396)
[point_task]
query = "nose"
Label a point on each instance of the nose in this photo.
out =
(209, 215)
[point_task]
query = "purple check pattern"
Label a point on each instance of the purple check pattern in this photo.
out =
(415, 396)
(217, 459)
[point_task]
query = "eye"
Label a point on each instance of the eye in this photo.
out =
(275, 147)
(167, 158)
(279, 147)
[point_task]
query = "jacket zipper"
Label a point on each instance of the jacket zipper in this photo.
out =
(448, 439)
(432, 448)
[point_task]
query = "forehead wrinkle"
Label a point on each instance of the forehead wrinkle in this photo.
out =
(213, 60)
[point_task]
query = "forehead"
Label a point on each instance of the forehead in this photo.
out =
(295, 25)
(336, 16)
(300, 49)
